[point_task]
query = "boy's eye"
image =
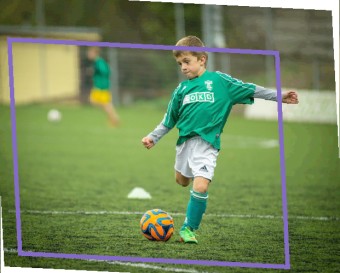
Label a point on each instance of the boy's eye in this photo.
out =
(184, 61)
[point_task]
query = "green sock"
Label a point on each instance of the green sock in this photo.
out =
(196, 207)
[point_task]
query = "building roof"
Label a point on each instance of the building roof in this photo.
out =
(76, 33)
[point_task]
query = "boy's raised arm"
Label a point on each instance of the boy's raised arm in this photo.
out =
(290, 97)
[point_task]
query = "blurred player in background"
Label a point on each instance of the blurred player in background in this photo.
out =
(100, 94)
(200, 107)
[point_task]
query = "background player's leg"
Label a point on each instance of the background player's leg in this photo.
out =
(112, 113)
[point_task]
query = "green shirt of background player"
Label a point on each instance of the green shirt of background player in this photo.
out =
(101, 75)
(100, 93)
(200, 107)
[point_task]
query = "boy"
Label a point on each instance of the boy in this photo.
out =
(100, 94)
(200, 107)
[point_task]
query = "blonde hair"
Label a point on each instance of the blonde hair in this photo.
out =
(94, 49)
(190, 41)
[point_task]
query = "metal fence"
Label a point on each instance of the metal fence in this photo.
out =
(304, 39)
(147, 74)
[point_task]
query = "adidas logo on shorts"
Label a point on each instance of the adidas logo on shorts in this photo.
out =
(204, 169)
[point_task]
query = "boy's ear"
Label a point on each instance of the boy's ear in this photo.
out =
(203, 59)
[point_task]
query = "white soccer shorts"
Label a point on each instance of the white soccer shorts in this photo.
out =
(196, 157)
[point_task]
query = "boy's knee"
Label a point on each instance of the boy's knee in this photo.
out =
(183, 183)
(182, 180)
(201, 185)
(201, 189)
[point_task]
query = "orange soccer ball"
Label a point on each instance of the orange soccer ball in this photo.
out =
(157, 225)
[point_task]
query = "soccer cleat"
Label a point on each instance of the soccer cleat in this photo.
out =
(188, 236)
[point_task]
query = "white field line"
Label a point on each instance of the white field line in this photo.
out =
(6, 250)
(142, 265)
(306, 218)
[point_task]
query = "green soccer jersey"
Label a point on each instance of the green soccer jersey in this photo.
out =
(201, 106)
(101, 76)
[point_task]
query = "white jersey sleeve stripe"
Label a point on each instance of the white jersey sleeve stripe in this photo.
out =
(228, 78)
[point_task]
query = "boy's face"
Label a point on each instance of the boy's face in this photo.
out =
(191, 66)
(92, 54)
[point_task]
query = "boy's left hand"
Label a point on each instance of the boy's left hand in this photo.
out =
(290, 97)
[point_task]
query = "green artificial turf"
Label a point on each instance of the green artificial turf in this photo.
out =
(75, 176)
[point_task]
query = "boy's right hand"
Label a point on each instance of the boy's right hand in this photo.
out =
(148, 142)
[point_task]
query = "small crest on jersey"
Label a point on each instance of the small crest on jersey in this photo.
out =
(208, 84)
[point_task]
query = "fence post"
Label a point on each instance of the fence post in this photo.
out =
(114, 78)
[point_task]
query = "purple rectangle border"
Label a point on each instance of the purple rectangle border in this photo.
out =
(21, 252)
